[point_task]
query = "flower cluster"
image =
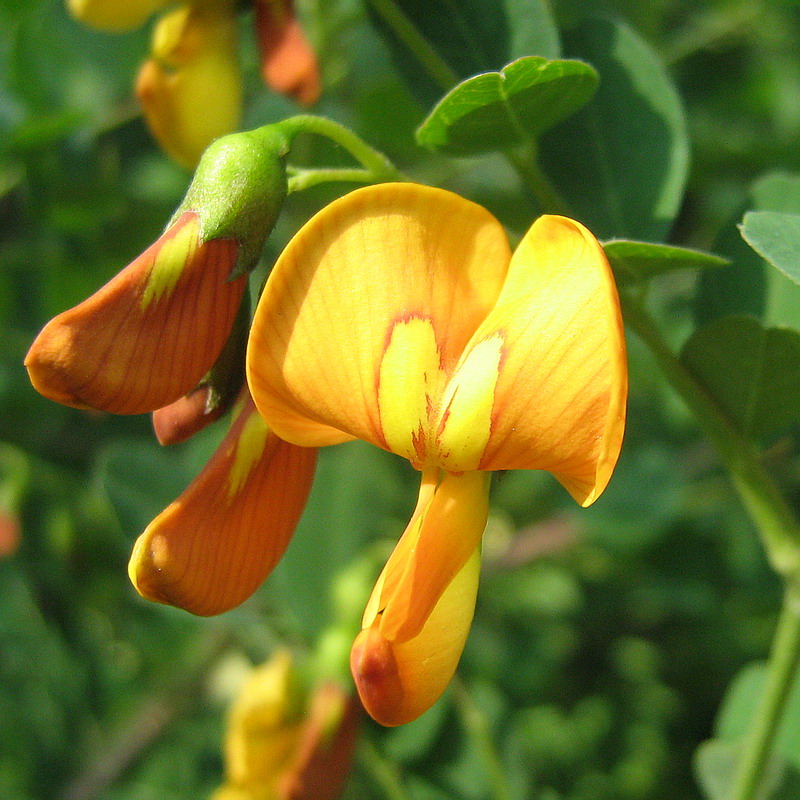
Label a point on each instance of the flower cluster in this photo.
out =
(398, 315)
(190, 87)
(285, 744)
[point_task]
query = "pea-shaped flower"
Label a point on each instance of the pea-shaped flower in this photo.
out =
(148, 336)
(399, 315)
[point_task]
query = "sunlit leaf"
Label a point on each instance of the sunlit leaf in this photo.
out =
(469, 37)
(497, 110)
(643, 260)
(748, 286)
(776, 238)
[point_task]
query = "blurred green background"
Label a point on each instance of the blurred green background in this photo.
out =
(604, 639)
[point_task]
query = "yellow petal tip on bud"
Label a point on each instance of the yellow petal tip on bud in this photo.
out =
(112, 15)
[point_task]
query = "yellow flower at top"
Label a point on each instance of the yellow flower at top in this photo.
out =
(190, 87)
(399, 315)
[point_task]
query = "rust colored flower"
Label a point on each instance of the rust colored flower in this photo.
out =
(213, 547)
(288, 63)
(149, 335)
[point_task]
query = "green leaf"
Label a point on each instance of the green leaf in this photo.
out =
(643, 260)
(776, 238)
(739, 707)
(716, 762)
(498, 110)
(621, 162)
(748, 286)
(470, 37)
(751, 371)
(715, 767)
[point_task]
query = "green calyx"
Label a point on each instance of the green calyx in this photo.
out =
(237, 191)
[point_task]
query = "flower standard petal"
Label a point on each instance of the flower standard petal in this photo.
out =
(371, 262)
(149, 335)
(215, 545)
(398, 681)
(561, 383)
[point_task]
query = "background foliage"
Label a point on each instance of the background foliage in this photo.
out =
(609, 642)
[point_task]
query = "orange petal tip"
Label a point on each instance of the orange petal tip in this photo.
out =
(377, 679)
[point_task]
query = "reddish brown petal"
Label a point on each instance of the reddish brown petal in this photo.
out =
(325, 750)
(288, 63)
(215, 545)
(182, 419)
(149, 335)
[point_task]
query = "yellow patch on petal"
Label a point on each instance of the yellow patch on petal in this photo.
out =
(170, 261)
(409, 387)
(399, 680)
(248, 450)
(465, 420)
(317, 353)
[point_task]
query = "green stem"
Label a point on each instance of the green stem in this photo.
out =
(383, 772)
(780, 534)
(528, 169)
(477, 726)
(769, 511)
(378, 165)
(405, 30)
(306, 178)
(782, 668)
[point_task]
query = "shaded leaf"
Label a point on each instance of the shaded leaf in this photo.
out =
(621, 162)
(498, 110)
(751, 371)
(470, 37)
(748, 286)
(643, 260)
(715, 765)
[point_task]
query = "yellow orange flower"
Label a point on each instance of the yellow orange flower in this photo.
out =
(282, 746)
(399, 315)
(213, 547)
(149, 335)
(191, 87)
